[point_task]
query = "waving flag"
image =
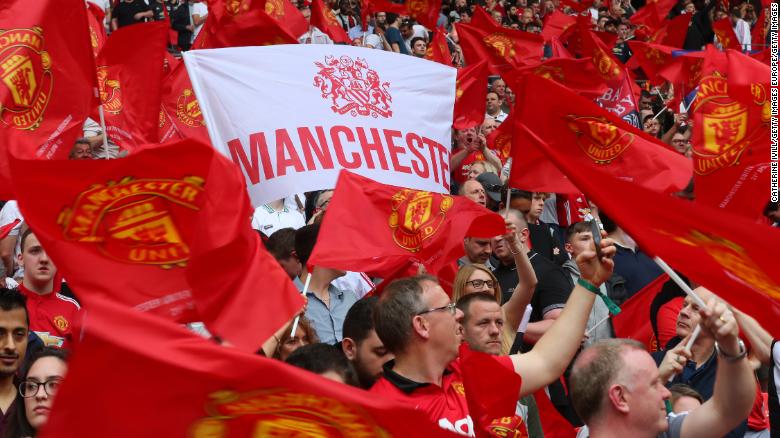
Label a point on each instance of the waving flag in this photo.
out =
(323, 19)
(470, 96)
(397, 226)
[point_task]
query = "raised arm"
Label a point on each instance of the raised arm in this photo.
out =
(760, 339)
(735, 387)
(553, 352)
(521, 296)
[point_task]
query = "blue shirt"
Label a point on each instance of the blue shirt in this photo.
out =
(636, 268)
(393, 35)
(328, 322)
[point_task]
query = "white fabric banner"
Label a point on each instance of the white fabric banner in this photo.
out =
(292, 116)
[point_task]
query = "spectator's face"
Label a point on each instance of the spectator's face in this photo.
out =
(488, 126)
(80, 151)
(601, 23)
(622, 31)
(406, 31)
(443, 328)
(479, 276)
(474, 191)
(306, 12)
(496, 17)
(690, 8)
(291, 344)
(645, 103)
(381, 18)
(527, 17)
(291, 265)
(370, 355)
(419, 48)
(493, 103)
(610, 27)
(537, 206)
(689, 316)
(477, 250)
(38, 406)
(644, 391)
(13, 340)
(499, 86)
(38, 268)
(579, 243)
(483, 328)
(476, 170)
(466, 137)
(680, 143)
(652, 126)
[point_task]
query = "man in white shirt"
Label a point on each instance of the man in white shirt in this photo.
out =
(493, 107)
(274, 216)
(198, 11)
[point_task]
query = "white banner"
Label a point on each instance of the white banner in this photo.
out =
(292, 116)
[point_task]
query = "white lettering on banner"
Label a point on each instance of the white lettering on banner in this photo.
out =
(309, 150)
(292, 116)
(464, 426)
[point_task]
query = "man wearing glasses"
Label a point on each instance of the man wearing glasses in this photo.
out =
(417, 322)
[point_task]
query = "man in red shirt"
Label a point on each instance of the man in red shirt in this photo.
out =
(418, 323)
(51, 314)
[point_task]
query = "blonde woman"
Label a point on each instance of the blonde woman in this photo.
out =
(478, 278)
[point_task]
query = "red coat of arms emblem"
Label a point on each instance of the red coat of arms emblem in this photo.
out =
(353, 87)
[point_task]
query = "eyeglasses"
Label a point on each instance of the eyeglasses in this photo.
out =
(479, 283)
(29, 388)
(449, 308)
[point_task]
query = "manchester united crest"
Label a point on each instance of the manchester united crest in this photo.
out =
(502, 145)
(724, 125)
(417, 7)
(25, 70)
(353, 87)
(236, 7)
(110, 91)
(607, 67)
(416, 216)
(601, 141)
(188, 109)
(501, 44)
(134, 220)
(549, 72)
(61, 323)
(277, 413)
(275, 8)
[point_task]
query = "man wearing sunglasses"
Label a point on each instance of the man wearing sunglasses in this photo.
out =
(417, 323)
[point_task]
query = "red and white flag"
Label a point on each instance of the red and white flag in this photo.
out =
(292, 116)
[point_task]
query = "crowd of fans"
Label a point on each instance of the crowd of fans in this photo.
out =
(528, 297)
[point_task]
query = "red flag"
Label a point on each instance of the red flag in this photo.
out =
(491, 393)
(731, 141)
(181, 106)
(651, 17)
(438, 50)
(502, 48)
(396, 225)
(725, 34)
(7, 228)
(174, 383)
(141, 231)
(246, 23)
(130, 72)
(595, 138)
(559, 50)
(633, 321)
(500, 140)
(758, 34)
(684, 71)
(579, 75)
(287, 16)
(48, 76)
(609, 68)
(726, 253)
(470, 95)
(651, 57)
(556, 24)
(323, 19)
(553, 423)
(425, 12)
(97, 31)
(673, 33)
(370, 7)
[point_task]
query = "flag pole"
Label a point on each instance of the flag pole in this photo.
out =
(590, 330)
(508, 195)
(676, 278)
(298, 318)
(689, 344)
(105, 132)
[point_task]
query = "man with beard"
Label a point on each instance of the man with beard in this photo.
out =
(361, 345)
(14, 329)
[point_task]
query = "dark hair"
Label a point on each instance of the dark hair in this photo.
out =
(19, 426)
(517, 193)
(415, 39)
(11, 299)
(465, 302)
(400, 302)
(648, 117)
(281, 244)
(305, 239)
(25, 234)
(579, 227)
(679, 390)
(82, 140)
(390, 17)
(320, 358)
(360, 319)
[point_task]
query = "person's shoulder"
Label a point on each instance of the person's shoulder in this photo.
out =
(70, 301)
(675, 422)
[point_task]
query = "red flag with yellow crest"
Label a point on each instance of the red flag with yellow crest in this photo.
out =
(165, 230)
(323, 19)
(725, 34)
(238, 23)
(130, 72)
(503, 48)
(396, 226)
(438, 50)
(731, 141)
(180, 108)
(173, 383)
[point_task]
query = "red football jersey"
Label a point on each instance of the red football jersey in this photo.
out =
(51, 316)
(445, 405)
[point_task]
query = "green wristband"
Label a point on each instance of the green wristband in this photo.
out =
(613, 308)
